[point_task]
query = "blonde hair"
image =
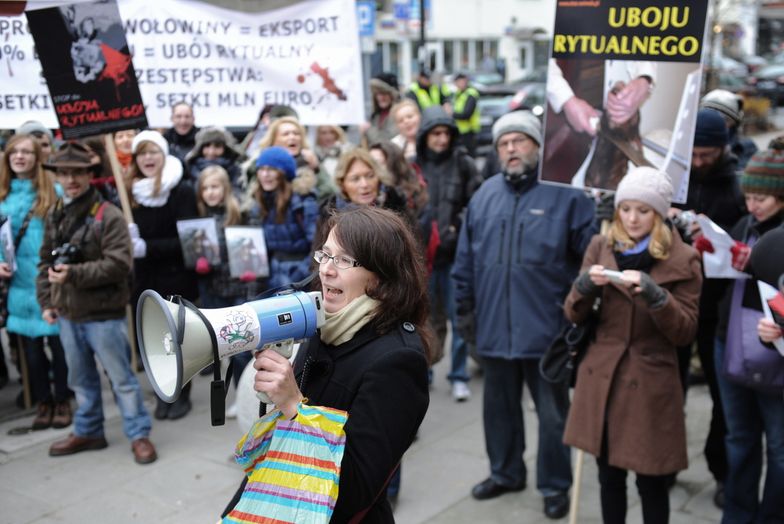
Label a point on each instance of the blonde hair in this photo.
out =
(340, 135)
(269, 138)
(233, 216)
(348, 158)
(42, 181)
(400, 105)
(661, 237)
(134, 173)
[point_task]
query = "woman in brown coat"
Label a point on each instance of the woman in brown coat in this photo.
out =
(628, 402)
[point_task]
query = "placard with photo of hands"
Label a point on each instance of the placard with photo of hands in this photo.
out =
(247, 250)
(199, 239)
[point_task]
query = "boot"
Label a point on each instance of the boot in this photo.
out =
(161, 409)
(62, 415)
(182, 405)
(43, 419)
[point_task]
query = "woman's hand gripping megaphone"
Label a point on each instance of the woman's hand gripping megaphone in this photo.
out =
(274, 380)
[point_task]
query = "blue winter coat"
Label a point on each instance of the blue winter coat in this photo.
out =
(517, 256)
(289, 243)
(24, 313)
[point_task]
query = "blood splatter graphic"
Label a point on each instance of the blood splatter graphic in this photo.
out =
(328, 81)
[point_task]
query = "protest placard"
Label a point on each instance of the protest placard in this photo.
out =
(199, 239)
(227, 64)
(88, 68)
(247, 252)
(623, 90)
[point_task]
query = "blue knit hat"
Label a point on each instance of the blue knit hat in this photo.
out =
(711, 129)
(280, 159)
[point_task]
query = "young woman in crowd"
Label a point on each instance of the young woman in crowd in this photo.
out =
(288, 133)
(288, 218)
(407, 119)
(103, 180)
(368, 359)
(628, 404)
(750, 375)
(26, 194)
(331, 143)
(403, 176)
(214, 147)
(159, 198)
(123, 140)
(217, 288)
(361, 182)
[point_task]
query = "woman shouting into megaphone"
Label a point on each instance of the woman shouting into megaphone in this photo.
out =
(370, 357)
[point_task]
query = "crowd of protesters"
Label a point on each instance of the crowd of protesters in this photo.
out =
(509, 262)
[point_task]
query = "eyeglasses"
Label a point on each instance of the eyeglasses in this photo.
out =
(516, 142)
(23, 152)
(340, 261)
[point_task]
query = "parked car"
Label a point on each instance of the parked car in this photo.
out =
(480, 80)
(769, 82)
(491, 107)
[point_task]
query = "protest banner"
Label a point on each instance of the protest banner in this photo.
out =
(88, 68)
(623, 90)
(227, 64)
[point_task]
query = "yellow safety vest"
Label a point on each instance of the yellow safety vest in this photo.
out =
(431, 97)
(472, 123)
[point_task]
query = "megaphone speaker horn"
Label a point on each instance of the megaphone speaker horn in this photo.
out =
(176, 340)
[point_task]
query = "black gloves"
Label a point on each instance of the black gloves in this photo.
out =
(654, 295)
(585, 285)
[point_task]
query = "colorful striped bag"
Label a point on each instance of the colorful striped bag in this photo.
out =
(293, 467)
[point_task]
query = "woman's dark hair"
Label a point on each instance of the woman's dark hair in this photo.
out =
(96, 144)
(403, 175)
(383, 243)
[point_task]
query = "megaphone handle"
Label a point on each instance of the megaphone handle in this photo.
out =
(284, 349)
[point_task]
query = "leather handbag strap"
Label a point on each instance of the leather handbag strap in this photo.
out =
(22, 230)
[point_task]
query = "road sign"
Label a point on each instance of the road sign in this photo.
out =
(366, 18)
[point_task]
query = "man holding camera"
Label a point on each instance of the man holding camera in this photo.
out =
(83, 285)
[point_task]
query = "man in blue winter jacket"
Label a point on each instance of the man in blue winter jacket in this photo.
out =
(520, 246)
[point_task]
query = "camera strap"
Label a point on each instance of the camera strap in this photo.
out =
(95, 216)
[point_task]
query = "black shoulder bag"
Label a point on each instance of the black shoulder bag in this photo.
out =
(559, 363)
(5, 283)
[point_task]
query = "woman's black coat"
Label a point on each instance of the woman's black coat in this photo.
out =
(381, 380)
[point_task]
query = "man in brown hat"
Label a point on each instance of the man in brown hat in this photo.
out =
(83, 285)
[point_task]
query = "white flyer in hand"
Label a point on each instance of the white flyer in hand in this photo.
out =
(767, 292)
(719, 263)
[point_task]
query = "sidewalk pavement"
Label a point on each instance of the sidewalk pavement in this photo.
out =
(195, 476)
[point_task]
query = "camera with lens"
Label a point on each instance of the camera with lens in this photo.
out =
(684, 220)
(66, 254)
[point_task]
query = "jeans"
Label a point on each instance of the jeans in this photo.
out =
(505, 428)
(750, 414)
(106, 340)
(441, 287)
(38, 368)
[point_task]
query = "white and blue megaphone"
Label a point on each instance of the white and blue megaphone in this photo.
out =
(177, 340)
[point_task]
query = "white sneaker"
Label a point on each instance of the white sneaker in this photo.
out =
(231, 411)
(460, 391)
